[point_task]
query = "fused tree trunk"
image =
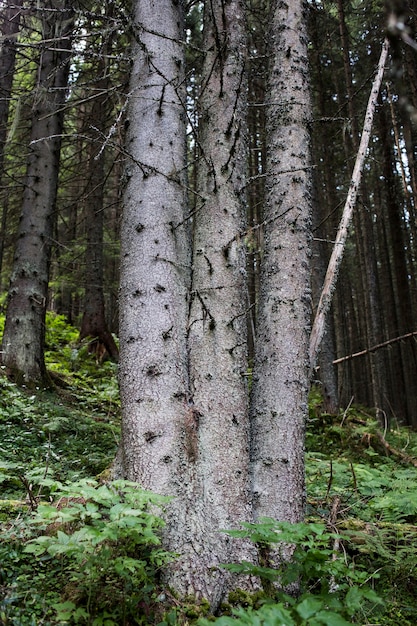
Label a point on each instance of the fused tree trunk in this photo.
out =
(183, 359)
(281, 373)
(158, 420)
(183, 320)
(219, 300)
(23, 338)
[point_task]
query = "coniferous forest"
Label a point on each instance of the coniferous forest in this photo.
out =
(208, 250)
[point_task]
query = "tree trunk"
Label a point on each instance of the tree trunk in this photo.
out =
(281, 373)
(94, 323)
(218, 317)
(9, 30)
(158, 420)
(23, 339)
(338, 249)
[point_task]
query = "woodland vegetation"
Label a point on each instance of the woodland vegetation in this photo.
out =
(170, 197)
(356, 551)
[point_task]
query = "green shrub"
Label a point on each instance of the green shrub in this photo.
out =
(330, 589)
(93, 557)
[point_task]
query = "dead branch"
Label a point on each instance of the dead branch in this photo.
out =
(374, 348)
(394, 451)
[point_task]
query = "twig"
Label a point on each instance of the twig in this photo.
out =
(394, 451)
(329, 483)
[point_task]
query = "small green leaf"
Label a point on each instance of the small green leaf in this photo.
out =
(329, 618)
(309, 607)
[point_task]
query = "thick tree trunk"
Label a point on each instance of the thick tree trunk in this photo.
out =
(281, 372)
(158, 420)
(218, 317)
(25, 320)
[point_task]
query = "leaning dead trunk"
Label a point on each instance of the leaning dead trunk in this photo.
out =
(339, 246)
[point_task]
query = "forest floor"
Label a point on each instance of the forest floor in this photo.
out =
(361, 485)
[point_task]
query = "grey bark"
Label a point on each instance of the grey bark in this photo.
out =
(281, 375)
(183, 362)
(23, 337)
(158, 422)
(218, 316)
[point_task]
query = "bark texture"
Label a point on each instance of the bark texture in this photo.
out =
(23, 338)
(281, 373)
(219, 297)
(158, 436)
(183, 360)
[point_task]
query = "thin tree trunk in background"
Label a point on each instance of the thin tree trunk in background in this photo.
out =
(366, 251)
(218, 315)
(364, 248)
(324, 199)
(9, 30)
(23, 340)
(94, 324)
(338, 250)
(401, 280)
(281, 373)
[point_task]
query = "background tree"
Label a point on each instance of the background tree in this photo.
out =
(365, 312)
(93, 323)
(9, 31)
(23, 337)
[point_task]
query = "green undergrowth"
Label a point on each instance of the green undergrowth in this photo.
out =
(91, 556)
(68, 433)
(77, 549)
(362, 481)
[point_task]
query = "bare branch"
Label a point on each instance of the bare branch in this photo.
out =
(374, 348)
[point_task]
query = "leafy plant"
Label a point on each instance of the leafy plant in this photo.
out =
(43, 434)
(331, 590)
(100, 542)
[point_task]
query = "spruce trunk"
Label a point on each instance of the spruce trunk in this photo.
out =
(23, 339)
(281, 373)
(219, 298)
